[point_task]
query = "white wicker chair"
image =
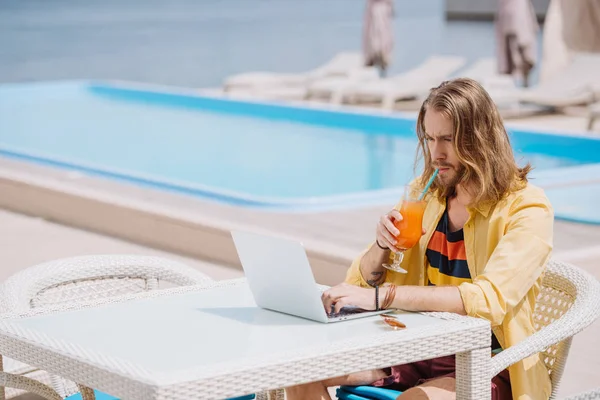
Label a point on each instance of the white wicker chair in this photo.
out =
(590, 395)
(79, 279)
(569, 301)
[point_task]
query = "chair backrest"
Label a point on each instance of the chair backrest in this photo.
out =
(92, 277)
(481, 69)
(565, 289)
(432, 71)
(339, 65)
(580, 75)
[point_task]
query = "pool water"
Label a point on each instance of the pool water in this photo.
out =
(220, 152)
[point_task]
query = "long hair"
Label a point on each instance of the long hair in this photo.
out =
(480, 141)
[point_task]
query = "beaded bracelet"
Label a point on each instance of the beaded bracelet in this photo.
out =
(377, 298)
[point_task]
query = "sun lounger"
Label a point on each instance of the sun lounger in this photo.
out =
(501, 87)
(299, 92)
(406, 85)
(485, 71)
(339, 65)
(572, 87)
(281, 92)
(480, 70)
(326, 88)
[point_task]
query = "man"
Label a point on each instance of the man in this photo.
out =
(487, 239)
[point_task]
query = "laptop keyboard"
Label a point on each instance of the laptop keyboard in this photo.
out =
(345, 311)
(348, 310)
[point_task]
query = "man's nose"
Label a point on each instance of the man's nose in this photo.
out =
(437, 153)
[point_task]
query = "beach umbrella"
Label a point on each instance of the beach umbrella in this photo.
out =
(378, 36)
(581, 25)
(516, 38)
(571, 26)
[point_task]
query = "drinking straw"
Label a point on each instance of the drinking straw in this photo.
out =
(428, 184)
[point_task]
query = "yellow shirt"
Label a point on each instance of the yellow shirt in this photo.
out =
(507, 247)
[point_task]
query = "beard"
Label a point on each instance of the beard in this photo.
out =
(450, 179)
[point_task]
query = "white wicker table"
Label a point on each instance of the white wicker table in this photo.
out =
(212, 342)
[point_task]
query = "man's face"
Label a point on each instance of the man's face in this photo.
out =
(439, 133)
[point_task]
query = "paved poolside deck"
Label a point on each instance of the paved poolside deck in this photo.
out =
(333, 238)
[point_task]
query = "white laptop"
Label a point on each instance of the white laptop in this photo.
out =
(280, 278)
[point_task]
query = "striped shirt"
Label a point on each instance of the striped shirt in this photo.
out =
(446, 256)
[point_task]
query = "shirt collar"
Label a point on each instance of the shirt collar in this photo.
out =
(482, 208)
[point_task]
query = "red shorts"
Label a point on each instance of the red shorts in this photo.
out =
(404, 377)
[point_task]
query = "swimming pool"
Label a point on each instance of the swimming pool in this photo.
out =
(240, 152)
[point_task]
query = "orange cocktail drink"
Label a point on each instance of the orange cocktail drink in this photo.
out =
(411, 225)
